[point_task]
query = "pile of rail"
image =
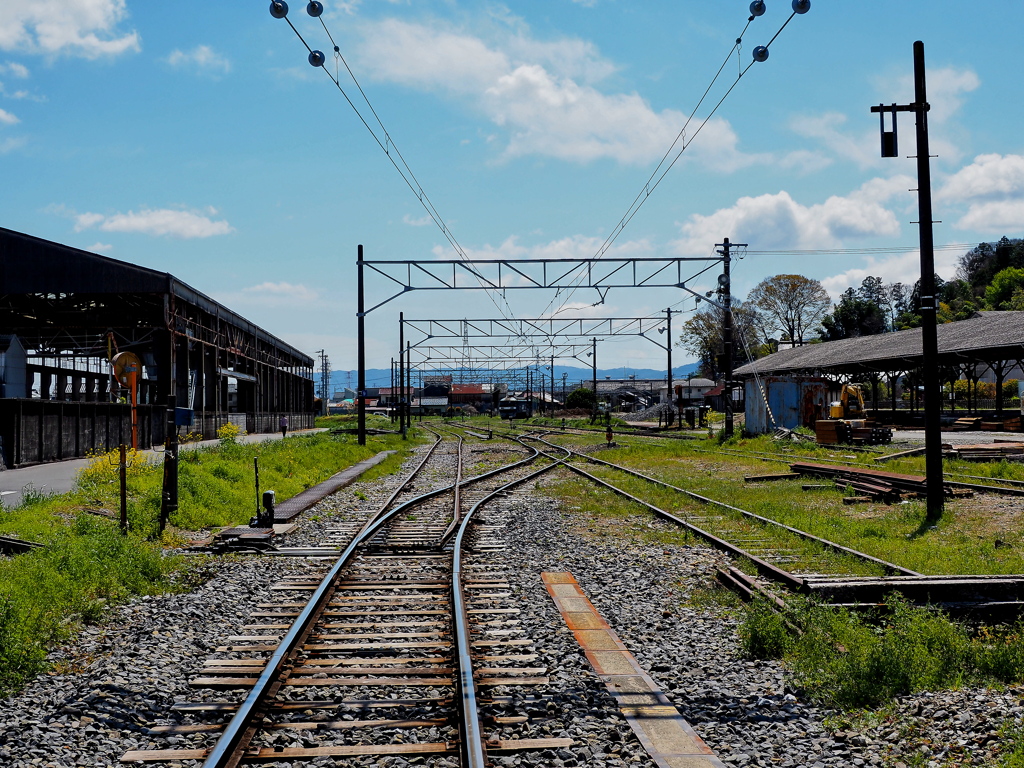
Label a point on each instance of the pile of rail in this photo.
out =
(987, 452)
(874, 484)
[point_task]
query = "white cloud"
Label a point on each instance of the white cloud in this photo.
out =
(159, 222)
(281, 293)
(202, 58)
(14, 69)
(993, 188)
(9, 145)
(571, 247)
(100, 247)
(77, 27)
(542, 94)
(988, 177)
(774, 222)
(7, 118)
(422, 221)
(946, 89)
(862, 147)
(995, 217)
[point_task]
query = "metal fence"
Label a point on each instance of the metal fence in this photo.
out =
(34, 430)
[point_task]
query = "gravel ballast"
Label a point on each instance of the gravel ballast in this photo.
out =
(119, 679)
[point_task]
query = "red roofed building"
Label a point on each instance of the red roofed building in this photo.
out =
(469, 394)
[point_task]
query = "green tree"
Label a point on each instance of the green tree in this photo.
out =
(980, 265)
(1006, 287)
(581, 398)
(702, 337)
(792, 304)
(853, 316)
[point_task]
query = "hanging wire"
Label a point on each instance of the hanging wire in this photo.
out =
(387, 145)
(684, 143)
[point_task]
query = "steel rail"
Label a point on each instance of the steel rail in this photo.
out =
(230, 748)
(406, 483)
(474, 753)
(890, 567)
(764, 567)
(781, 458)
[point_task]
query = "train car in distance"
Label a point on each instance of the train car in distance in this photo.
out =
(512, 407)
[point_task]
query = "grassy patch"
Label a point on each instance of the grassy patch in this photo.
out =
(978, 535)
(216, 484)
(850, 659)
(46, 594)
(87, 565)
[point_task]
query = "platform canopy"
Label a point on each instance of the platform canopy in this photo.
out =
(988, 339)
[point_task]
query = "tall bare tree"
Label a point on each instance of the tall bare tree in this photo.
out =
(702, 337)
(792, 304)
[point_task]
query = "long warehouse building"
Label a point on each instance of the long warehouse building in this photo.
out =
(65, 313)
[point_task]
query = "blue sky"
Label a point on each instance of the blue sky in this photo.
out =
(197, 139)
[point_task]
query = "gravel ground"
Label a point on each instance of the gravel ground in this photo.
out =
(116, 680)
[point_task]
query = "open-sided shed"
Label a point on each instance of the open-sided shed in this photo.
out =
(73, 310)
(968, 349)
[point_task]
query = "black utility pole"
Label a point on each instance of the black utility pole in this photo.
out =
(401, 373)
(929, 336)
(668, 350)
(325, 379)
(361, 352)
(725, 291)
(552, 383)
(593, 354)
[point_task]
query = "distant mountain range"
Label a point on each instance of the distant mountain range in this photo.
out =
(381, 377)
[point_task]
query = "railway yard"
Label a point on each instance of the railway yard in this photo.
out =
(347, 644)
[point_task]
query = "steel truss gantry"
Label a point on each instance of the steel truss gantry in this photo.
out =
(516, 353)
(503, 275)
(538, 328)
(518, 274)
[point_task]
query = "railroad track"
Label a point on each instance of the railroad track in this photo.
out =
(404, 647)
(1002, 485)
(802, 562)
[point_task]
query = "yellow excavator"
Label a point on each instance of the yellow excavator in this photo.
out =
(848, 422)
(849, 407)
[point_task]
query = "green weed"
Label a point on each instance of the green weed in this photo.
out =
(45, 594)
(851, 659)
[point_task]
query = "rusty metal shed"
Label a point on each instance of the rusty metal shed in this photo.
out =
(71, 310)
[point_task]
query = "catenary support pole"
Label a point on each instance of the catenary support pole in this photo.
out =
(401, 375)
(929, 301)
(361, 352)
(725, 291)
(668, 351)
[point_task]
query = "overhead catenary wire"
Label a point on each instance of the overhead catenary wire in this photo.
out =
(647, 190)
(391, 150)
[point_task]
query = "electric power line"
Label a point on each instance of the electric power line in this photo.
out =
(279, 9)
(760, 55)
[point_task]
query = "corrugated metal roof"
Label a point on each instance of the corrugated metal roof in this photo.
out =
(30, 264)
(988, 336)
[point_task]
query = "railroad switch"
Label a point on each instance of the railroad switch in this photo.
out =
(265, 518)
